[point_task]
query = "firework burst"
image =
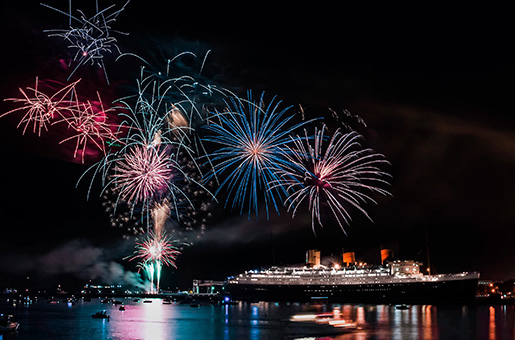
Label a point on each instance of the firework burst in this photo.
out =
(252, 139)
(89, 39)
(41, 109)
(145, 168)
(89, 121)
(157, 247)
(336, 172)
(143, 173)
(152, 252)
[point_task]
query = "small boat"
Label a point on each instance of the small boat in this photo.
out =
(147, 301)
(167, 301)
(231, 302)
(324, 323)
(195, 304)
(402, 307)
(101, 315)
(116, 302)
(7, 324)
(122, 308)
(135, 300)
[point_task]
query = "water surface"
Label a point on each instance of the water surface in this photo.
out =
(255, 321)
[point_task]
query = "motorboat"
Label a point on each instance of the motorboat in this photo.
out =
(325, 322)
(101, 315)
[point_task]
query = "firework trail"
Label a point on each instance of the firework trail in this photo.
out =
(160, 214)
(252, 140)
(152, 252)
(182, 87)
(41, 108)
(333, 172)
(89, 38)
(182, 93)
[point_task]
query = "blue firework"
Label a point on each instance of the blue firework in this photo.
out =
(251, 137)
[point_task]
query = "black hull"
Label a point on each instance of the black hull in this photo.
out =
(417, 292)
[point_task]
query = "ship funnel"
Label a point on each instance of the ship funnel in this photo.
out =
(313, 258)
(349, 258)
(385, 255)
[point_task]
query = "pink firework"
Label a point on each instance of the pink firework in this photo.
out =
(89, 122)
(143, 173)
(153, 251)
(156, 247)
(41, 108)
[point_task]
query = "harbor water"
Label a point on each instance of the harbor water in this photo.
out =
(151, 319)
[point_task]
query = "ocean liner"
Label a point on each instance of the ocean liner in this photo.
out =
(392, 282)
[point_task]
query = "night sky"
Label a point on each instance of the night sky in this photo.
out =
(434, 86)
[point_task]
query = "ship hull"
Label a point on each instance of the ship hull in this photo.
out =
(410, 292)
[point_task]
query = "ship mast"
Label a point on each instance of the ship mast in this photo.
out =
(427, 251)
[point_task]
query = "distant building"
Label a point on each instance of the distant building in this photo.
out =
(485, 288)
(507, 288)
(102, 289)
(207, 287)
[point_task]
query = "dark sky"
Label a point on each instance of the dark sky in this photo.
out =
(434, 86)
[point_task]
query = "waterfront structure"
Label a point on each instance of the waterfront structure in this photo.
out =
(207, 287)
(396, 282)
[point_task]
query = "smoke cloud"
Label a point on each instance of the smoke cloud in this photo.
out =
(80, 259)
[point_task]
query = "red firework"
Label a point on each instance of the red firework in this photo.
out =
(41, 108)
(89, 121)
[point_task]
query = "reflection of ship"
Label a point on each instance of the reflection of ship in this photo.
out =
(395, 281)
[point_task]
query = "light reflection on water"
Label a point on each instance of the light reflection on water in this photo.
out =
(257, 321)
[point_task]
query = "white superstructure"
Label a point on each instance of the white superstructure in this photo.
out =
(401, 272)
